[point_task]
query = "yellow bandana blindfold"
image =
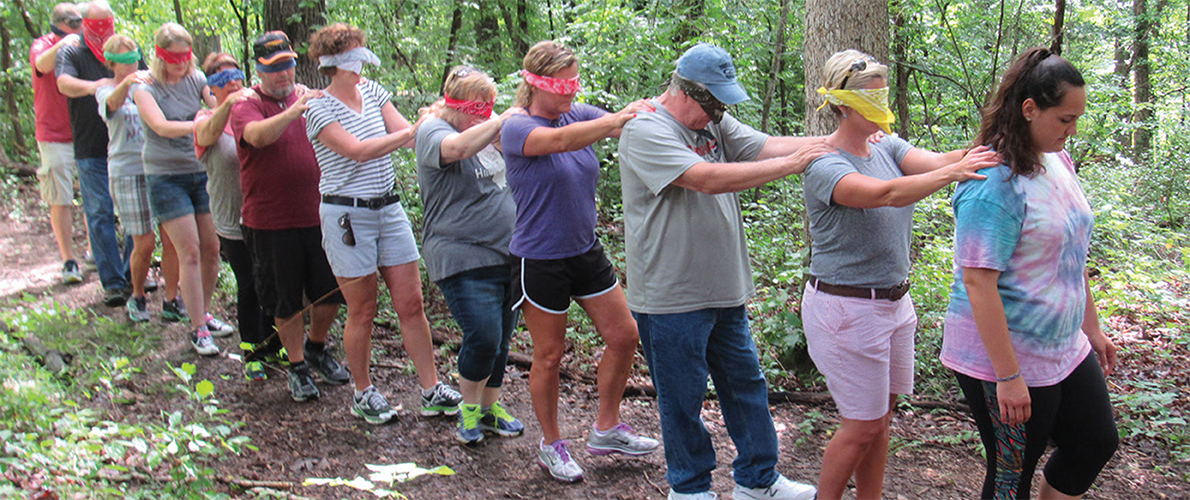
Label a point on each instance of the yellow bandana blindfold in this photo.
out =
(870, 103)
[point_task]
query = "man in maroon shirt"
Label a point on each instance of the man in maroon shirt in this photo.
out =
(279, 176)
(54, 141)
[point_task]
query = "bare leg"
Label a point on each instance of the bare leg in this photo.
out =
(1049, 493)
(473, 392)
(404, 285)
(548, 331)
(848, 452)
(183, 232)
(321, 318)
(208, 243)
(357, 333)
(490, 396)
(290, 331)
(62, 222)
(169, 266)
(142, 253)
(614, 322)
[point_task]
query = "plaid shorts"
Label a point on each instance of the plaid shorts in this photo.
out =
(131, 197)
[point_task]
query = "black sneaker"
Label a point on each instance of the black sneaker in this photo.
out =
(173, 311)
(324, 363)
(71, 273)
(301, 384)
(115, 297)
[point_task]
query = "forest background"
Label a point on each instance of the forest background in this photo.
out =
(1133, 147)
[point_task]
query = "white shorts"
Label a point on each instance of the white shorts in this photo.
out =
(863, 347)
(382, 237)
(56, 174)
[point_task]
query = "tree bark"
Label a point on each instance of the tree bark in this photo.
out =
(10, 91)
(452, 43)
(241, 12)
(28, 21)
(833, 26)
(900, 54)
(1059, 22)
(1142, 116)
(178, 12)
(776, 66)
(298, 19)
(487, 34)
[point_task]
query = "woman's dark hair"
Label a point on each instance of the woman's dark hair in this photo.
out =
(1037, 74)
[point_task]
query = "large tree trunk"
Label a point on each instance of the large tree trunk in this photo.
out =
(298, 19)
(776, 66)
(10, 91)
(832, 26)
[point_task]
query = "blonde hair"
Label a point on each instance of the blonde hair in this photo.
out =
(168, 35)
(544, 59)
(465, 84)
(114, 44)
(838, 71)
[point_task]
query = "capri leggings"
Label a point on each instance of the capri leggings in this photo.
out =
(1076, 414)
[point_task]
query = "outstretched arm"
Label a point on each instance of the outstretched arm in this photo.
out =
(860, 191)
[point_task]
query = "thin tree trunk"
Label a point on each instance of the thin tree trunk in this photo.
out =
(775, 68)
(487, 34)
(456, 24)
(241, 12)
(1142, 116)
(1059, 21)
(902, 71)
(28, 21)
(10, 92)
(178, 12)
(522, 16)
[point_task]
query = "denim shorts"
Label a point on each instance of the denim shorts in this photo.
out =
(177, 195)
(378, 238)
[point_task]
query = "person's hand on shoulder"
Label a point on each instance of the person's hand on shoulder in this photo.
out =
(812, 151)
(976, 159)
(629, 112)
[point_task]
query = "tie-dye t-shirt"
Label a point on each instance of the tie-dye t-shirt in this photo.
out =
(1035, 231)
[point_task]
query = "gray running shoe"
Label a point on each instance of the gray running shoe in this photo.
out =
(373, 407)
(782, 489)
(71, 273)
(301, 384)
(442, 400)
(467, 431)
(328, 367)
(203, 343)
(219, 328)
(138, 309)
(620, 439)
(555, 459)
(499, 421)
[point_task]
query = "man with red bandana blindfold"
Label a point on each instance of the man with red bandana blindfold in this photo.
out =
(80, 70)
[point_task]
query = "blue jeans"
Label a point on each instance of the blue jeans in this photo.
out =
(682, 349)
(101, 224)
(479, 301)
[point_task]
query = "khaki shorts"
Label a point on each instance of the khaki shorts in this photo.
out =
(57, 172)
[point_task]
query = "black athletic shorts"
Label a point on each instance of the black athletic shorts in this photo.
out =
(550, 284)
(289, 263)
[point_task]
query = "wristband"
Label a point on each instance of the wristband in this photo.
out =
(1010, 377)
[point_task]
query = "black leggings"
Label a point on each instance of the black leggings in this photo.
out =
(254, 325)
(1076, 414)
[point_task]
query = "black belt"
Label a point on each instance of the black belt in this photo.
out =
(894, 293)
(372, 203)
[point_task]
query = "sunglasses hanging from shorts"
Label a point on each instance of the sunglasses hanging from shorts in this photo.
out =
(348, 233)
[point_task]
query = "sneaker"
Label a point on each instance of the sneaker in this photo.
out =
(151, 283)
(706, 495)
(440, 400)
(219, 328)
(203, 343)
(89, 261)
(497, 420)
(71, 273)
(331, 370)
(254, 371)
(138, 309)
(555, 458)
(301, 384)
(783, 489)
(468, 430)
(115, 297)
(620, 439)
(373, 407)
(173, 311)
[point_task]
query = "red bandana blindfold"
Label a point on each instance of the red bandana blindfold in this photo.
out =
(476, 108)
(171, 57)
(552, 85)
(96, 32)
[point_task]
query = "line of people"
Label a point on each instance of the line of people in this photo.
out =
(296, 188)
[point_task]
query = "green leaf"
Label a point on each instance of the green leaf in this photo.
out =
(204, 388)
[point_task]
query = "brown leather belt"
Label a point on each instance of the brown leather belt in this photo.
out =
(895, 293)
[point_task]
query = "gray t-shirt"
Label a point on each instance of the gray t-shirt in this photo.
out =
(855, 246)
(126, 136)
(178, 102)
(685, 249)
(469, 212)
(223, 181)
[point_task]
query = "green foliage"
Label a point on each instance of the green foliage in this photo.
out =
(50, 432)
(1146, 410)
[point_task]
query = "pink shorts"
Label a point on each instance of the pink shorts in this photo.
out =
(863, 347)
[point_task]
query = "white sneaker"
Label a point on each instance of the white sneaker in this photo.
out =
(706, 495)
(555, 458)
(203, 343)
(219, 328)
(782, 489)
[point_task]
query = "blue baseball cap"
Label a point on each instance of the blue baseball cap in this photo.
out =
(711, 66)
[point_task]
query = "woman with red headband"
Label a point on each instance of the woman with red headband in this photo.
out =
(553, 171)
(176, 179)
(469, 216)
(367, 236)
